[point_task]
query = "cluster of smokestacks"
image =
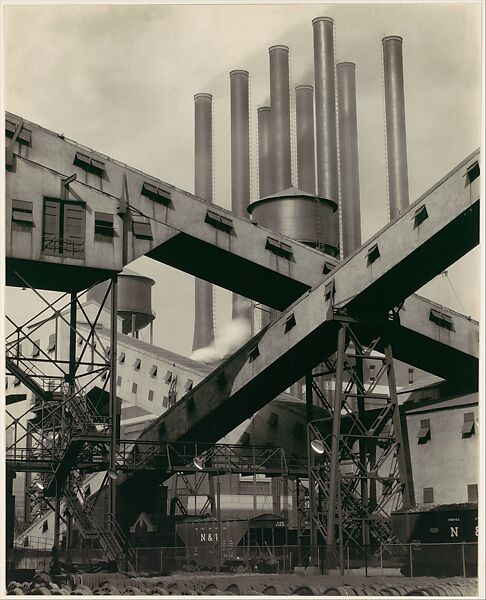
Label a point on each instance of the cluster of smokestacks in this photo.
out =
(327, 146)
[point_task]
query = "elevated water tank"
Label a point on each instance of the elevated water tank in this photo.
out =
(304, 217)
(134, 300)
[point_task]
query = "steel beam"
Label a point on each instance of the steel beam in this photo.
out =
(365, 285)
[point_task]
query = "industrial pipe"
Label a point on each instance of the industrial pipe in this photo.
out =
(203, 188)
(348, 155)
(265, 171)
(280, 117)
(306, 157)
(325, 90)
(396, 136)
(240, 164)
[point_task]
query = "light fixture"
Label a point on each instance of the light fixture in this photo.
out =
(40, 485)
(198, 463)
(112, 474)
(317, 446)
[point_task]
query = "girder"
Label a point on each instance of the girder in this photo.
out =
(409, 255)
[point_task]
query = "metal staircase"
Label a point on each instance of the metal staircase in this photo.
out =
(101, 527)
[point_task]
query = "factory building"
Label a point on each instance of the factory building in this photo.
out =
(326, 413)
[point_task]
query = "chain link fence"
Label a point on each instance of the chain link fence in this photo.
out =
(409, 560)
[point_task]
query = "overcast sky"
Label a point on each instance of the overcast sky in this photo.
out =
(121, 80)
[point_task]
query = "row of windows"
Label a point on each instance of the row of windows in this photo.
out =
(424, 434)
(64, 225)
(472, 494)
(166, 400)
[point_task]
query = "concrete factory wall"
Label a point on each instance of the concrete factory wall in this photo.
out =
(445, 459)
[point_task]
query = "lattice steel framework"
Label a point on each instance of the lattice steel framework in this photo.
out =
(358, 448)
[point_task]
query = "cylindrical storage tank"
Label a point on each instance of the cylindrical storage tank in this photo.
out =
(134, 299)
(203, 188)
(299, 215)
(265, 170)
(240, 165)
(280, 117)
(396, 137)
(325, 92)
(349, 162)
(306, 156)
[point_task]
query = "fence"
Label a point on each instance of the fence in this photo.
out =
(409, 560)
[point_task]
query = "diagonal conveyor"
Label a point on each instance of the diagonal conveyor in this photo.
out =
(398, 260)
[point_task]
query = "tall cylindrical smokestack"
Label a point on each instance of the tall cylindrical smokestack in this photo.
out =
(280, 117)
(396, 137)
(203, 188)
(326, 137)
(240, 164)
(306, 156)
(240, 143)
(265, 167)
(348, 154)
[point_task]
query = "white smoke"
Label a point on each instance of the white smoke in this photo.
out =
(232, 336)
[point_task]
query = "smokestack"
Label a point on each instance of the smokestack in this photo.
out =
(327, 163)
(265, 171)
(240, 164)
(348, 154)
(306, 157)
(396, 137)
(280, 117)
(203, 188)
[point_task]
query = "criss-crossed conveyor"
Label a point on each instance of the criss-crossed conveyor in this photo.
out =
(200, 239)
(435, 231)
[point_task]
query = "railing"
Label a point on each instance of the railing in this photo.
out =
(219, 458)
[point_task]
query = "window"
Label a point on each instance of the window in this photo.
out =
(165, 402)
(45, 526)
(141, 227)
(118, 380)
(273, 420)
(121, 358)
(87, 491)
(420, 216)
(219, 221)
(35, 348)
(151, 396)
(472, 492)
(424, 432)
(329, 290)
(372, 254)
(153, 371)
(22, 212)
(137, 364)
(245, 439)
(134, 388)
(428, 495)
(89, 163)
(289, 323)
(410, 376)
(188, 386)
(157, 193)
(468, 425)
(328, 267)
(254, 354)
(168, 377)
(372, 373)
(279, 248)
(472, 172)
(25, 135)
(104, 224)
(16, 381)
(441, 319)
(51, 346)
(63, 228)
